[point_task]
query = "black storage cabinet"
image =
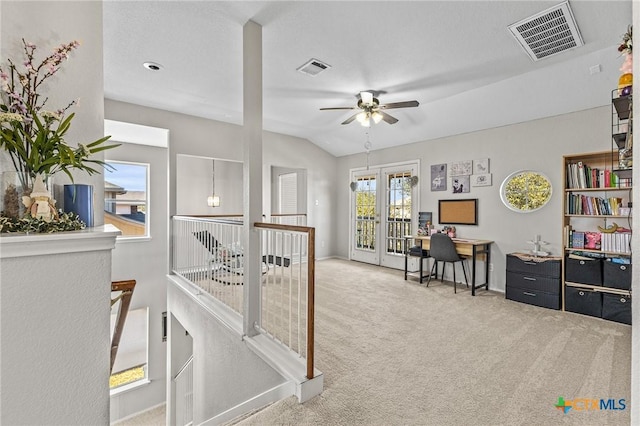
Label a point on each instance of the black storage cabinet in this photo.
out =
(583, 271)
(583, 301)
(535, 283)
(616, 308)
(616, 275)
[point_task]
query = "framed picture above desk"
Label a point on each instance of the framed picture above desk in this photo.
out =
(458, 212)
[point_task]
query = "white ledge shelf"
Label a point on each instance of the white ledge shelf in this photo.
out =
(38, 244)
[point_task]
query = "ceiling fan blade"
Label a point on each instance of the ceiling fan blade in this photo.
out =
(367, 98)
(350, 119)
(334, 108)
(387, 118)
(405, 104)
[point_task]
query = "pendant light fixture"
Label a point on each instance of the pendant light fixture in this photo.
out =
(213, 200)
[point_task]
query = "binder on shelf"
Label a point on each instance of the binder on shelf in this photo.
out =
(601, 180)
(581, 176)
(593, 240)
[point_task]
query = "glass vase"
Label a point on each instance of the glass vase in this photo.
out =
(14, 186)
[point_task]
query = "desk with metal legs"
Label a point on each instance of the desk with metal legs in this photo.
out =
(475, 249)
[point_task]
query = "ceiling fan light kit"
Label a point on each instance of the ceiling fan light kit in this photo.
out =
(372, 110)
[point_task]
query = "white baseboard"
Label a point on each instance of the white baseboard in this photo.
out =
(268, 397)
(139, 413)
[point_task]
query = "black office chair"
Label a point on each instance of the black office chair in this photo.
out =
(415, 251)
(443, 249)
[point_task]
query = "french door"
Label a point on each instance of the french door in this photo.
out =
(382, 213)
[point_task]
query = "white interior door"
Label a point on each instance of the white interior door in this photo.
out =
(382, 213)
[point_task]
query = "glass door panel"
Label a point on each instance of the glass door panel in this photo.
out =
(366, 217)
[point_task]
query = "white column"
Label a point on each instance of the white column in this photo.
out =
(252, 171)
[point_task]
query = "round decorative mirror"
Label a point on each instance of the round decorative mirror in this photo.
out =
(525, 191)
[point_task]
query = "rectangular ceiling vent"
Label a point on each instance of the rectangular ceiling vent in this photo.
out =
(548, 33)
(313, 67)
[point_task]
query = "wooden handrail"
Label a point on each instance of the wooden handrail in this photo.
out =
(280, 227)
(126, 288)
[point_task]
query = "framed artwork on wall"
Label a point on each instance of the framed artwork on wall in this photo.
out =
(460, 184)
(458, 212)
(438, 177)
(481, 180)
(481, 166)
(461, 168)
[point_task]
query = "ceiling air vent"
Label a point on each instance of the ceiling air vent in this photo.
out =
(547, 33)
(313, 67)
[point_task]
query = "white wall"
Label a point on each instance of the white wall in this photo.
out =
(537, 145)
(207, 138)
(146, 261)
(226, 372)
(69, 358)
(48, 24)
(55, 328)
(194, 185)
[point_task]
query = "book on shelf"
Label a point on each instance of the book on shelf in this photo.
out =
(616, 242)
(624, 182)
(624, 211)
(582, 176)
(580, 204)
(582, 182)
(568, 231)
(593, 240)
(614, 181)
(577, 240)
(601, 179)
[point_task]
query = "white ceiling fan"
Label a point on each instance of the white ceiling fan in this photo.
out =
(371, 109)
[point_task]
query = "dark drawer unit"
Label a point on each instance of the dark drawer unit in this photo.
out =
(547, 268)
(534, 297)
(536, 282)
(583, 271)
(616, 308)
(616, 275)
(583, 301)
(598, 288)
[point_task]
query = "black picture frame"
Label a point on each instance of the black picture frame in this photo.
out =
(458, 212)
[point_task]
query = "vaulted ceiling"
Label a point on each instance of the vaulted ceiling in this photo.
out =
(457, 58)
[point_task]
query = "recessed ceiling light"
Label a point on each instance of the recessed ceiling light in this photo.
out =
(152, 66)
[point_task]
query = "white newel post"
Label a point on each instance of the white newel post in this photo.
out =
(55, 294)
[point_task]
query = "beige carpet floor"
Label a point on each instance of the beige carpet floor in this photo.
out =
(395, 352)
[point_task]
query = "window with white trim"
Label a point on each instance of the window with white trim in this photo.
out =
(126, 198)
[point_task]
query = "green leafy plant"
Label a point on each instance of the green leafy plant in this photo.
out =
(34, 137)
(626, 46)
(28, 224)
